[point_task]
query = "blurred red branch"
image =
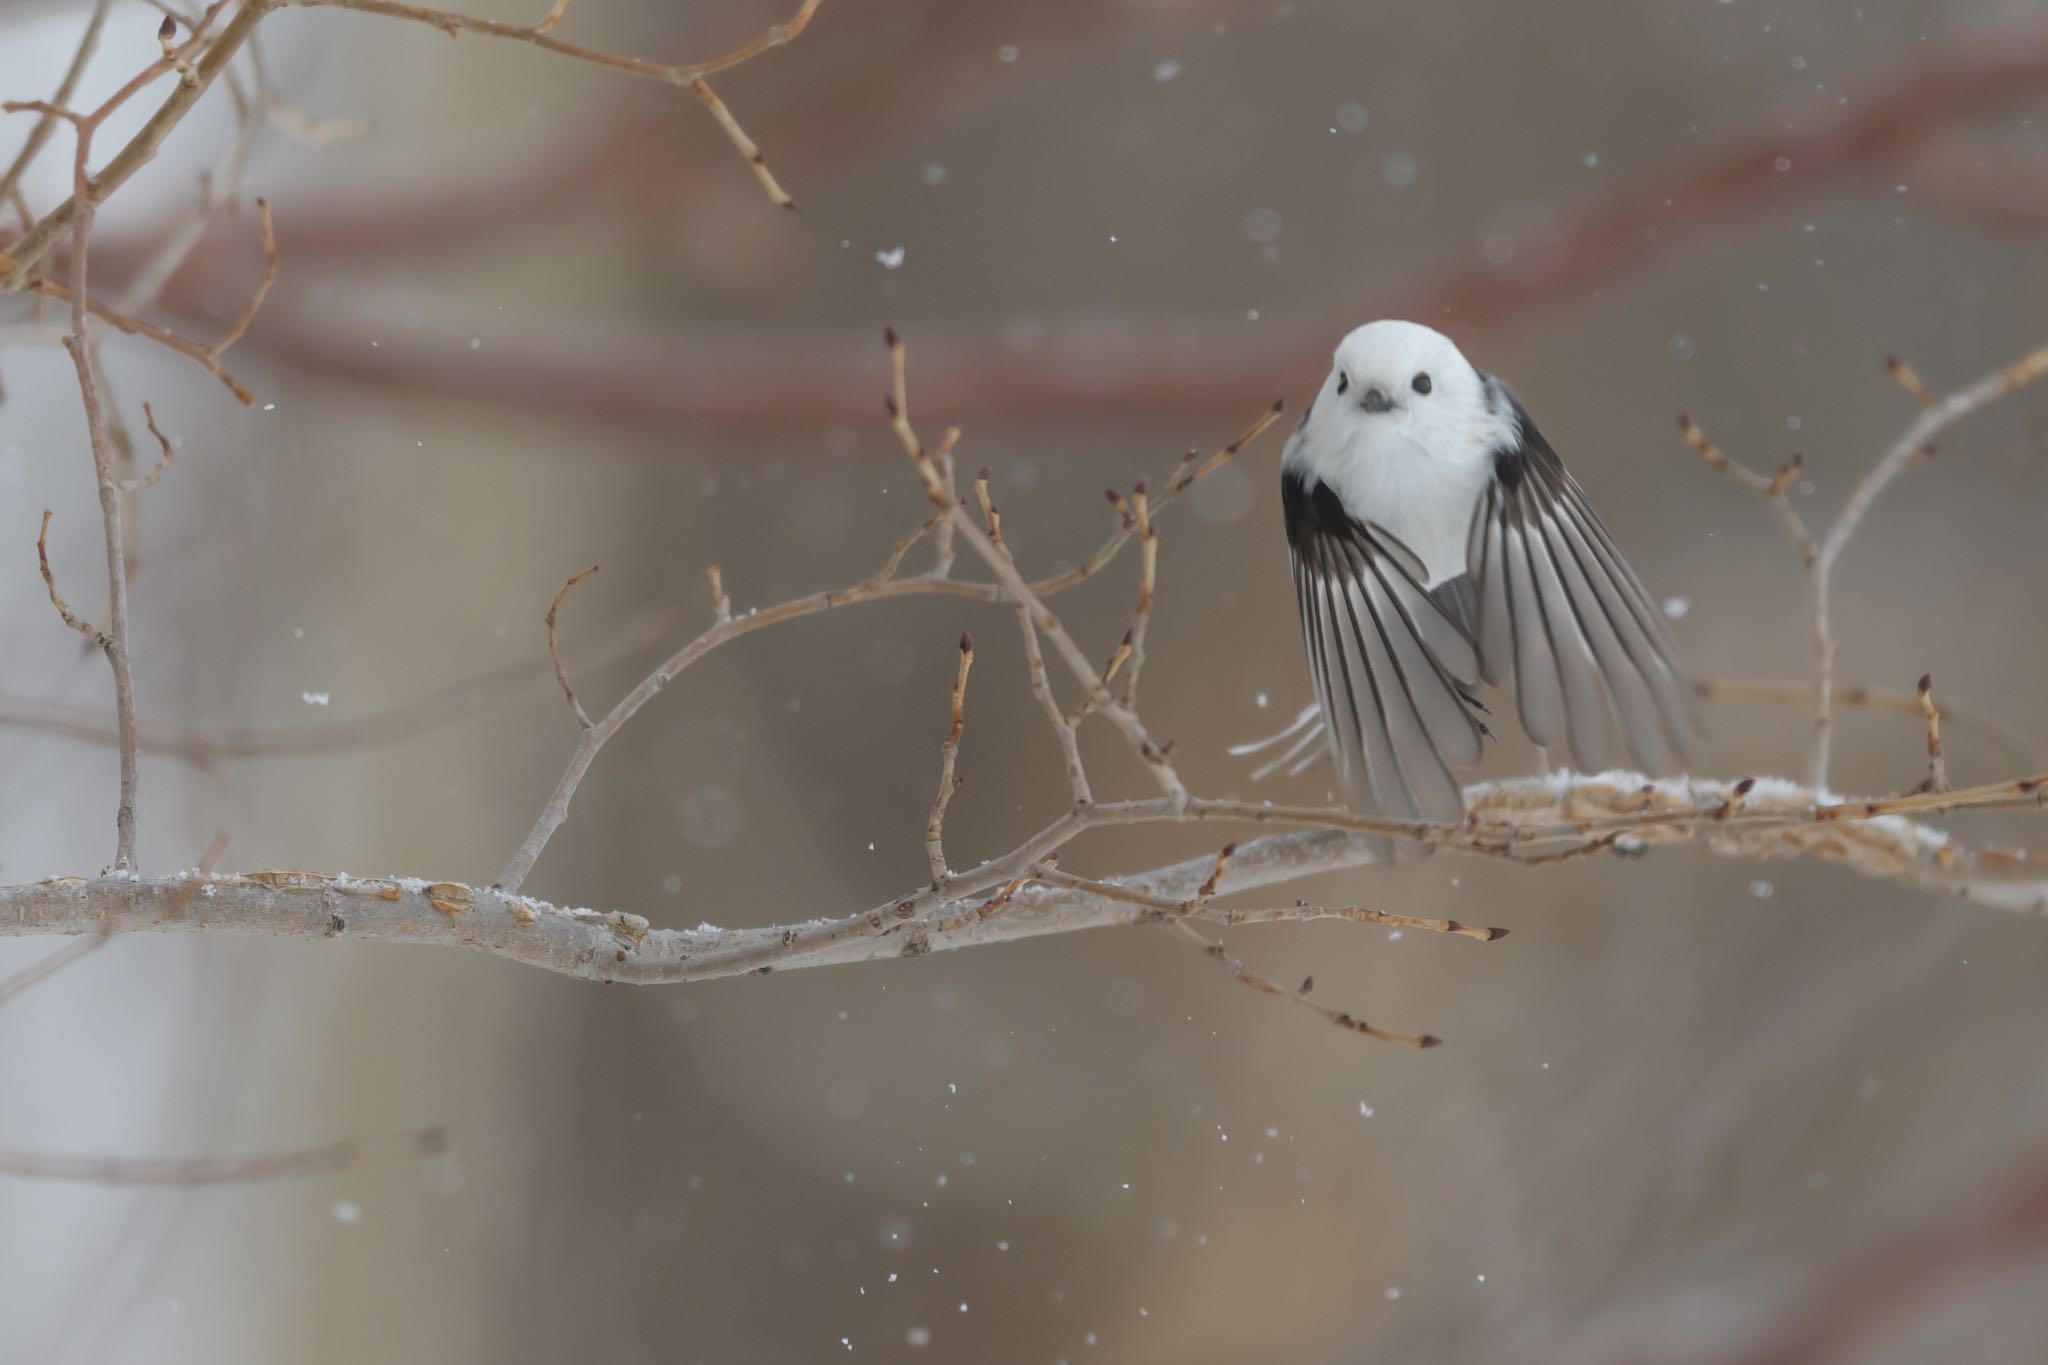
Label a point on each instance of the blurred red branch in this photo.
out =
(627, 150)
(1909, 1276)
(708, 379)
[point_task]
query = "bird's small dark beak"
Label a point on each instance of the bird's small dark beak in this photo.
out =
(1376, 400)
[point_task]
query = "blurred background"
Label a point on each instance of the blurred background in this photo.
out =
(542, 317)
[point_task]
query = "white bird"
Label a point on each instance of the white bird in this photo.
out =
(1439, 542)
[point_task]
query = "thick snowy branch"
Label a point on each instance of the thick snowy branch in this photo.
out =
(1527, 820)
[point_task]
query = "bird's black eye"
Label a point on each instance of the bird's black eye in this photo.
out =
(1420, 383)
(1343, 381)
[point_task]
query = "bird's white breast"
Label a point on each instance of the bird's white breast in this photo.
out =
(1424, 494)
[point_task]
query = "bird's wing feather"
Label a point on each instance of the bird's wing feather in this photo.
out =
(1560, 610)
(1391, 669)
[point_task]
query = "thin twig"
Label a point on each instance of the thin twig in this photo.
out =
(248, 313)
(1301, 912)
(1186, 476)
(721, 604)
(219, 189)
(1235, 968)
(207, 356)
(1937, 766)
(1148, 582)
(207, 744)
(189, 1172)
(1034, 616)
(18, 258)
(737, 135)
(541, 35)
(36, 973)
(1772, 486)
(97, 637)
(1006, 893)
(593, 740)
(555, 649)
(1861, 697)
(990, 517)
(949, 754)
(163, 459)
(38, 136)
(114, 640)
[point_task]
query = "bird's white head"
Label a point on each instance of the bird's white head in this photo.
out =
(1402, 383)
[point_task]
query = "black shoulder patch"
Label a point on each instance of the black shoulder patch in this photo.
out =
(1311, 509)
(1510, 463)
(1509, 467)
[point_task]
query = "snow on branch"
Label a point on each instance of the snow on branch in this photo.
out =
(1024, 893)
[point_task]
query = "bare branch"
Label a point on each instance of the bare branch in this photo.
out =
(213, 743)
(38, 136)
(730, 126)
(1937, 766)
(189, 1172)
(196, 351)
(36, 243)
(554, 16)
(97, 637)
(1776, 820)
(1185, 477)
(163, 459)
(541, 35)
(1904, 451)
(1235, 968)
(1772, 487)
(949, 754)
(1862, 697)
(721, 604)
(594, 739)
(555, 649)
(248, 313)
(36, 973)
(114, 640)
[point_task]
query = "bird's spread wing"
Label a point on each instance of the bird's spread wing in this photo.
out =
(1559, 610)
(1392, 671)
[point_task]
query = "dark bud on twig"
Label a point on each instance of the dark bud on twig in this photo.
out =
(889, 402)
(1745, 786)
(1308, 983)
(167, 30)
(1279, 404)
(889, 337)
(966, 642)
